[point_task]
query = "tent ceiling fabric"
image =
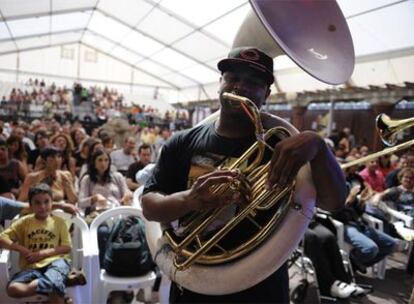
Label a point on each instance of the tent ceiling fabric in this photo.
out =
(178, 42)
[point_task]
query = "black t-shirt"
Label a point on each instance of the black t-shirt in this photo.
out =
(133, 169)
(184, 157)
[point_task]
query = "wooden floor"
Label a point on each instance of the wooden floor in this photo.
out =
(396, 288)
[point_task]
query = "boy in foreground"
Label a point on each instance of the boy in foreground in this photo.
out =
(43, 242)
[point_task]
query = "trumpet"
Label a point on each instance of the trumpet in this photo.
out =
(387, 129)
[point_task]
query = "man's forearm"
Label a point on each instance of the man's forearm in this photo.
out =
(131, 185)
(329, 180)
(165, 208)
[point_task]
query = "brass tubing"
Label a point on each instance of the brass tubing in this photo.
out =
(217, 237)
(361, 160)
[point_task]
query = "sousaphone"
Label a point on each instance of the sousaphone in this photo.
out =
(315, 35)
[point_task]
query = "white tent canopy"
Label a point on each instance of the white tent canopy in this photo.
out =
(172, 46)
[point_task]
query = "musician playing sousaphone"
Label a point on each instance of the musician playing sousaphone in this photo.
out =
(190, 158)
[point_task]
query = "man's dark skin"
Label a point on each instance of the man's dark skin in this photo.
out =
(289, 156)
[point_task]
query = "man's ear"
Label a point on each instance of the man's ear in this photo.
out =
(268, 92)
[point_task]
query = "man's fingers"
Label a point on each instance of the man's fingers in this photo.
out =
(215, 180)
(217, 173)
(276, 168)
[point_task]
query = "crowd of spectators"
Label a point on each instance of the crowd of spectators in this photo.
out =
(38, 99)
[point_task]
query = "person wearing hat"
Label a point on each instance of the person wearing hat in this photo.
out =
(187, 166)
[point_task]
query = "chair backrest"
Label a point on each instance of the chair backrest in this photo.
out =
(80, 237)
(105, 216)
(136, 200)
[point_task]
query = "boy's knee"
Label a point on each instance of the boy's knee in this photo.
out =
(370, 252)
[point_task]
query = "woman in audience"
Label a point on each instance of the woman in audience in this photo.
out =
(65, 144)
(102, 188)
(41, 141)
(12, 173)
(16, 150)
(60, 181)
(401, 197)
(94, 145)
(101, 182)
(78, 135)
(81, 156)
(385, 165)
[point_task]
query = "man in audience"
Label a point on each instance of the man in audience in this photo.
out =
(369, 246)
(373, 176)
(144, 155)
(124, 157)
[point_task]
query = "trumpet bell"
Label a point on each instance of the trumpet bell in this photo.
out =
(388, 128)
(314, 34)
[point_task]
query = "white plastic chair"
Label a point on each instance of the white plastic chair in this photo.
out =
(404, 224)
(164, 291)
(103, 284)
(81, 259)
(379, 268)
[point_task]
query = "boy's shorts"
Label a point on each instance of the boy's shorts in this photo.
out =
(51, 278)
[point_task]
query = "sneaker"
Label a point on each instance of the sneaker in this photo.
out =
(341, 290)
(75, 277)
(359, 291)
(357, 265)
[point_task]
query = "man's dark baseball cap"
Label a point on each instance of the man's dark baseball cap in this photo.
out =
(250, 57)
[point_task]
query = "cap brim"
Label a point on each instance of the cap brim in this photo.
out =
(226, 64)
